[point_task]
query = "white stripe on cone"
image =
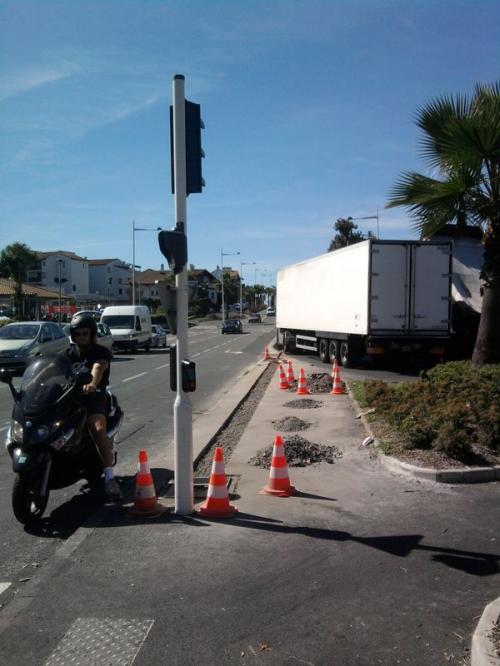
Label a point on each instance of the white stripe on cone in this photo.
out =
(143, 468)
(279, 472)
(145, 492)
(218, 467)
(217, 492)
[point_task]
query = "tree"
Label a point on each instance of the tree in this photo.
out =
(15, 261)
(347, 234)
(461, 142)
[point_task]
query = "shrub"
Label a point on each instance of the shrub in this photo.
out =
(453, 407)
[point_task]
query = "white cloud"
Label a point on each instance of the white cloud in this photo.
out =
(22, 81)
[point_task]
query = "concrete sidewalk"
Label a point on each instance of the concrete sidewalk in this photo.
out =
(357, 568)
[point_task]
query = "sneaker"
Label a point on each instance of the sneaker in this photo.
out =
(112, 491)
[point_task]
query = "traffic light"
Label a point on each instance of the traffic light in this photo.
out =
(188, 372)
(194, 151)
(173, 246)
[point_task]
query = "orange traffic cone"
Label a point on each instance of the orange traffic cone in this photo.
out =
(337, 384)
(217, 503)
(335, 367)
(279, 482)
(290, 376)
(267, 355)
(283, 380)
(302, 384)
(145, 503)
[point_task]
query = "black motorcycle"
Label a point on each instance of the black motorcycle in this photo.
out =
(48, 438)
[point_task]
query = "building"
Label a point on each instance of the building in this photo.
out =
(110, 281)
(36, 300)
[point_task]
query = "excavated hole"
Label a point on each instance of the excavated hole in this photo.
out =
(299, 452)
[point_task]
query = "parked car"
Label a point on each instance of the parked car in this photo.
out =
(21, 341)
(158, 336)
(232, 326)
(271, 312)
(254, 318)
(104, 336)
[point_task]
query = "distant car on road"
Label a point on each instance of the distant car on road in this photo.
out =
(255, 318)
(21, 341)
(158, 336)
(271, 312)
(232, 326)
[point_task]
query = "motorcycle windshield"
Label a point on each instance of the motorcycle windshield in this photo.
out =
(43, 382)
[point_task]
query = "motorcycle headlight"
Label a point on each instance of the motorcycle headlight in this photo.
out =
(16, 432)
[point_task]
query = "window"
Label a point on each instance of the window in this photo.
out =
(110, 280)
(57, 332)
(120, 291)
(74, 287)
(119, 280)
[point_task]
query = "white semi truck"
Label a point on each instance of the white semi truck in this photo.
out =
(381, 298)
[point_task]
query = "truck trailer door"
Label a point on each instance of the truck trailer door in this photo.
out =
(389, 284)
(431, 284)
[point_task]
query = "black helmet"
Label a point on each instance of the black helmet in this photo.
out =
(83, 321)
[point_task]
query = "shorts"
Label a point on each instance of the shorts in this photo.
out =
(95, 403)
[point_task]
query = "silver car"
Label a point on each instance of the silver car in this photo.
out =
(158, 336)
(21, 341)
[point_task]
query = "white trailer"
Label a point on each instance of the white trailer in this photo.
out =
(375, 297)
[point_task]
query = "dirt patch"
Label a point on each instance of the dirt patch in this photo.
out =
(494, 637)
(290, 423)
(303, 403)
(299, 452)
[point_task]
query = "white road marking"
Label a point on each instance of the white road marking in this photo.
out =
(195, 355)
(129, 379)
(229, 351)
(165, 365)
(3, 587)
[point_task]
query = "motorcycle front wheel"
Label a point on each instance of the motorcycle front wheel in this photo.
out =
(27, 503)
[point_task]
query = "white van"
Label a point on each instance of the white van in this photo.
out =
(130, 326)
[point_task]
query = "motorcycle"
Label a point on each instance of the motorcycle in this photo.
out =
(48, 438)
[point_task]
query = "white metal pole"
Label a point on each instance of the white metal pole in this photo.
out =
(133, 261)
(183, 426)
(222, 281)
(241, 289)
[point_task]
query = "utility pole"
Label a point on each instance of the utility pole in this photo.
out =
(183, 413)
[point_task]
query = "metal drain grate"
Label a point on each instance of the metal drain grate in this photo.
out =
(94, 641)
(200, 486)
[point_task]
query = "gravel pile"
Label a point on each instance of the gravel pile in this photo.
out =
(299, 453)
(319, 382)
(290, 423)
(303, 403)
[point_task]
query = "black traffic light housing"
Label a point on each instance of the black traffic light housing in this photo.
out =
(194, 151)
(173, 246)
(188, 370)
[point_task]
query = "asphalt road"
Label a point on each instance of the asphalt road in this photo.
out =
(141, 382)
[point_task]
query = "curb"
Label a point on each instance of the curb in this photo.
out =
(483, 651)
(447, 475)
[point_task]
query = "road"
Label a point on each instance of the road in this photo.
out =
(141, 382)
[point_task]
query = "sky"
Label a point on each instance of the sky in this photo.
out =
(309, 110)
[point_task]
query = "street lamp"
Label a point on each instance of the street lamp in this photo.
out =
(134, 229)
(60, 280)
(369, 217)
(222, 255)
(243, 263)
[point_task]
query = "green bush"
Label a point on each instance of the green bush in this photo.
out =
(453, 407)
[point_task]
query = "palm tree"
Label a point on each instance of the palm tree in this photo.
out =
(15, 260)
(462, 143)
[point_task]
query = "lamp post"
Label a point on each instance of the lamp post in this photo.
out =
(243, 263)
(369, 217)
(134, 229)
(222, 255)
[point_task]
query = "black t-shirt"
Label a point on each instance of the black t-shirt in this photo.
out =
(91, 355)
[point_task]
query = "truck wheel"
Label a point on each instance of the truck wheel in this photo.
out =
(324, 350)
(333, 350)
(345, 359)
(288, 343)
